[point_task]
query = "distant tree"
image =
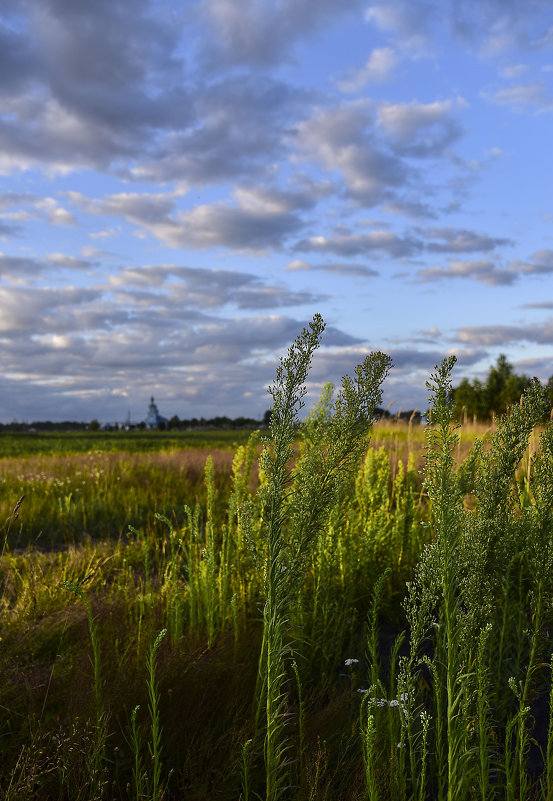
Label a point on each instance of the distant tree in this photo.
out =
(466, 399)
(549, 389)
(240, 422)
(219, 422)
(502, 388)
(94, 425)
(174, 422)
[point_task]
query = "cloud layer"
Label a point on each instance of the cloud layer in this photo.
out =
(181, 188)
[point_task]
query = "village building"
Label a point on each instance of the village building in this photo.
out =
(154, 419)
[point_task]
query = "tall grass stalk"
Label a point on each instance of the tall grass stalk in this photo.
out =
(96, 752)
(516, 748)
(547, 779)
(245, 770)
(77, 590)
(370, 744)
(483, 715)
(154, 746)
(301, 722)
(138, 772)
(287, 393)
(443, 491)
(172, 587)
(301, 498)
(8, 524)
(373, 644)
(425, 720)
(210, 581)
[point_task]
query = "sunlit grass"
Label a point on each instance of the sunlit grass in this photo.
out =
(412, 650)
(50, 442)
(71, 496)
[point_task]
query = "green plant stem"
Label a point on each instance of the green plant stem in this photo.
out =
(154, 746)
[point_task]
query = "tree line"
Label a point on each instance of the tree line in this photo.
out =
(484, 400)
(474, 400)
(174, 424)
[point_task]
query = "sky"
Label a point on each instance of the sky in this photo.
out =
(184, 184)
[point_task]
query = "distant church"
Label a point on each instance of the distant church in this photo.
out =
(154, 419)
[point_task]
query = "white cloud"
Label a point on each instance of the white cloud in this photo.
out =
(152, 325)
(342, 139)
(106, 233)
(420, 129)
(493, 335)
(240, 229)
(358, 244)
(68, 262)
(539, 263)
(133, 206)
(263, 32)
(204, 288)
(460, 240)
(297, 265)
(379, 68)
(408, 21)
(513, 70)
(262, 218)
(544, 304)
(17, 268)
(415, 209)
(337, 268)
(90, 252)
(25, 206)
(484, 271)
(522, 96)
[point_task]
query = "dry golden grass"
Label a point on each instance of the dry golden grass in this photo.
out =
(191, 461)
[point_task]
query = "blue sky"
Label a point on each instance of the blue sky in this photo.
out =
(184, 184)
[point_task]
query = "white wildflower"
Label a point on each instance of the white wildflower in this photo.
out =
(349, 662)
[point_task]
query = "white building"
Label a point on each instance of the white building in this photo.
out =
(154, 419)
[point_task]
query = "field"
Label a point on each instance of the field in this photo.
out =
(341, 623)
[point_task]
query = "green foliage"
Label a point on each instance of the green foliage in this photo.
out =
(48, 443)
(482, 401)
(97, 752)
(295, 507)
(94, 639)
(348, 569)
(154, 746)
(477, 605)
(99, 494)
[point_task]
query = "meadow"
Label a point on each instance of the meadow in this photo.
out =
(345, 610)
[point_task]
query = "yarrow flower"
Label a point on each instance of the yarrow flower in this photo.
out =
(377, 701)
(349, 662)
